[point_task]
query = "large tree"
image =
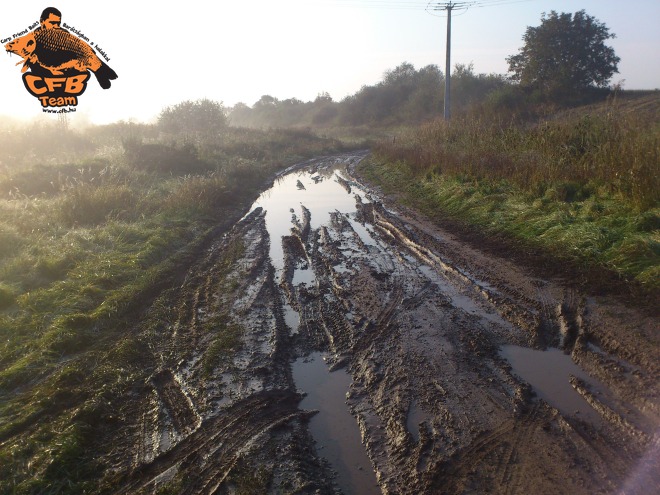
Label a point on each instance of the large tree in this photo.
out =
(566, 53)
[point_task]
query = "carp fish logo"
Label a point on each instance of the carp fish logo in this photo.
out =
(56, 63)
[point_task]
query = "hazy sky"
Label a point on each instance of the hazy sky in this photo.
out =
(235, 51)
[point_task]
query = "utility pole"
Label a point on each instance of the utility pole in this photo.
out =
(448, 65)
(449, 6)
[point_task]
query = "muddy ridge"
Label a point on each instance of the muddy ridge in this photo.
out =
(442, 344)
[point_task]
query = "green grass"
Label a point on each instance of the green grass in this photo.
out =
(95, 225)
(225, 341)
(225, 337)
(591, 231)
(583, 187)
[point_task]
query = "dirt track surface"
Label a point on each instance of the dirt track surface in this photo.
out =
(425, 325)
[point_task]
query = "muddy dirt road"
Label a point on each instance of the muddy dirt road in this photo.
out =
(347, 347)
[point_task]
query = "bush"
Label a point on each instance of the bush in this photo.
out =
(202, 117)
(164, 158)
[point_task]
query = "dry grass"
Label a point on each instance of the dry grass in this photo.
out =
(576, 155)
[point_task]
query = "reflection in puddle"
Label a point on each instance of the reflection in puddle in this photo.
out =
(320, 197)
(303, 276)
(548, 372)
(342, 268)
(415, 417)
(334, 429)
(291, 318)
(365, 235)
(460, 298)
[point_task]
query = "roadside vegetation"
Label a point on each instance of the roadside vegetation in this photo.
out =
(583, 188)
(94, 226)
(554, 160)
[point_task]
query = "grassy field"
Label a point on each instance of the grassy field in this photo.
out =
(95, 225)
(583, 186)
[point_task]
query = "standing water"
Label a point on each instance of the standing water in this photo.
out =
(548, 372)
(319, 192)
(336, 433)
(334, 429)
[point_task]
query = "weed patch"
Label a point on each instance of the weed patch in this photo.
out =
(565, 159)
(225, 342)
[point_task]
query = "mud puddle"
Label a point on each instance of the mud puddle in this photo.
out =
(291, 318)
(301, 201)
(549, 372)
(321, 191)
(334, 429)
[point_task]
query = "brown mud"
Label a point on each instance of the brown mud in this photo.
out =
(420, 321)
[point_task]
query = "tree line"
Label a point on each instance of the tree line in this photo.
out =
(564, 61)
(405, 95)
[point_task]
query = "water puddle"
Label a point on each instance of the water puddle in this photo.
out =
(342, 268)
(365, 234)
(303, 276)
(548, 372)
(334, 428)
(460, 299)
(319, 191)
(291, 318)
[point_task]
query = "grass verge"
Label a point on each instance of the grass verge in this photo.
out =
(591, 235)
(582, 190)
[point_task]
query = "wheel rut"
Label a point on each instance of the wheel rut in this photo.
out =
(417, 318)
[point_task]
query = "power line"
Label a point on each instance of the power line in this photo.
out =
(449, 6)
(431, 7)
(497, 3)
(379, 4)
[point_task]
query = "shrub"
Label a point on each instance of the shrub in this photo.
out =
(202, 194)
(164, 158)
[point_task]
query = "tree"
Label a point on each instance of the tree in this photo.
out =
(400, 75)
(266, 101)
(193, 117)
(470, 89)
(566, 53)
(323, 97)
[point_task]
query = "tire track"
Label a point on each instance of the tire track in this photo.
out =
(208, 454)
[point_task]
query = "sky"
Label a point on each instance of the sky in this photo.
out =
(232, 51)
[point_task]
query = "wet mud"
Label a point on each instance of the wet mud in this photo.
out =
(463, 372)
